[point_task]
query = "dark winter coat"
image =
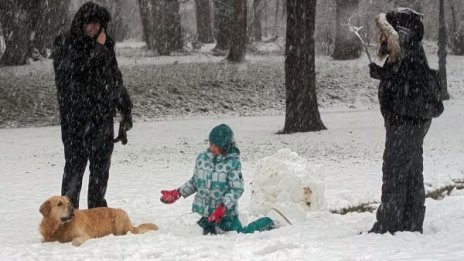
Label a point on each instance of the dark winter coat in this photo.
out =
(408, 87)
(89, 83)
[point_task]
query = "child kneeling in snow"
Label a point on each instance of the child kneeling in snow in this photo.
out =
(218, 184)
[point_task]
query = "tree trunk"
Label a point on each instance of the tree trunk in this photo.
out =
(159, 20)
(118, 29)
(168, 30)
(239, 35)
(173, 27)
(302, 113)
(347, 46)
(413, 4)
(284, 10)
(146, 7)
(49, 19)
(203, 15)
(277, 18)
(224, 11)
(453, 18)
(17, 23)
(256, 25)
(442, 52)
(39, 14)
(59, 18)
(2, 46)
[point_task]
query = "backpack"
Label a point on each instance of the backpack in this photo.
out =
(432, 94)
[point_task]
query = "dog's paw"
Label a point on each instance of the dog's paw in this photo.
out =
(78, 241)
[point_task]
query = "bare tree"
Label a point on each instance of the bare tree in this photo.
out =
(453, 17)
(456, 32)
(256, 32)
(49, 18)
(280, 13)
(276, 16)
(302, 113)
(347, 46)
(17, 24)
(203, 15)
(167, 26)
(2, 46)
(118, 29)
(413, 4)
(160, 23)
(173, 27)
(224, 11)
(31, 27)
(239, 35)
(145, 7)
(442, 52)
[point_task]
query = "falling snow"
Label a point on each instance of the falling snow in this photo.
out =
(179, 98)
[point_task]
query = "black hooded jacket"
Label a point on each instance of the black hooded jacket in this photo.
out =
(408, 87)
(88, 80)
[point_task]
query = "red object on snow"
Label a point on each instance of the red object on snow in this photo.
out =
(169, 196)
(218, 214)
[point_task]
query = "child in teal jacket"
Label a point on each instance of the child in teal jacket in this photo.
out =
(218, 184)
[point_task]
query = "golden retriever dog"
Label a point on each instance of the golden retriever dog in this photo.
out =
(62, 223)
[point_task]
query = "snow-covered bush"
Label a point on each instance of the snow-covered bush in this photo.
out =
(286, 182)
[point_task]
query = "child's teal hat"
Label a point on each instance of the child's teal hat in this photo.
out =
(222, 136)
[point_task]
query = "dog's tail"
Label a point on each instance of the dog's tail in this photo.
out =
(142, 228)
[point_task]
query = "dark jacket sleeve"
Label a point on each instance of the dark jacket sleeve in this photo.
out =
(61, 67)
(57, 56)
(122, 99)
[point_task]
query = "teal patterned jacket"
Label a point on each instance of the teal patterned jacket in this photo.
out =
(216, 179)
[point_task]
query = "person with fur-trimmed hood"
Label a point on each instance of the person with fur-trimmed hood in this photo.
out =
(407, 106)
(90, 90)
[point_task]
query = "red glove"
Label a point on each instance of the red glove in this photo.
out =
(218, 214)
(169, 196)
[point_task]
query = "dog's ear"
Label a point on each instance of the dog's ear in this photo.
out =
(45, 208)
(67, 198)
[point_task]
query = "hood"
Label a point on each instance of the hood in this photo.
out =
(87, 13)
(408, 23)
(401, 33)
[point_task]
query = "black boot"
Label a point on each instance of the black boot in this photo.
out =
(377, 228)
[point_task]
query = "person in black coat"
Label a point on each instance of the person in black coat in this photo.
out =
(90, 90)
(407, 108)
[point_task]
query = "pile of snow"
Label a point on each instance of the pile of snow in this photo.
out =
(286, 182)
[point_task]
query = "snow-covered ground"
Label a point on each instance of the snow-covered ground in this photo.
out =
(161, 153)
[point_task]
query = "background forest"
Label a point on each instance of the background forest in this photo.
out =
(29, 27)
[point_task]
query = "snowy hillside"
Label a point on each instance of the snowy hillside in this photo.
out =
(204, 86)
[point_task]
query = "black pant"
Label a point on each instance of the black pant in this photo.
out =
(403, 196)
(87, 141)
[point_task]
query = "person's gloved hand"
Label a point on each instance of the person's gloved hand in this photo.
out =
(218, 214)
(373, 67)
(124, 126)
(169, 196)
(126, 122)
(376, 71)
